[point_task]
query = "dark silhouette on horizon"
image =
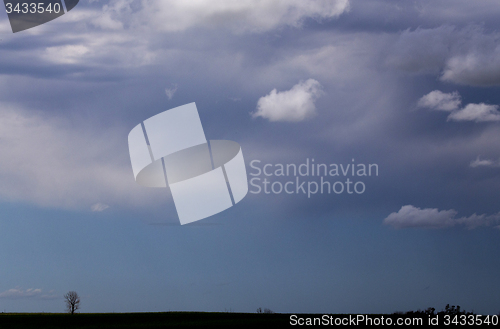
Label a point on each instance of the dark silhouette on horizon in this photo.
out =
(72, 302)
(448, 310)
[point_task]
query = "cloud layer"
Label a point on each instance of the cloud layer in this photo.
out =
(412, 217)
(50, 162)
(238, 16)
(466, 56)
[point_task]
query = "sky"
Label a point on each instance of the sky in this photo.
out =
(410, 88)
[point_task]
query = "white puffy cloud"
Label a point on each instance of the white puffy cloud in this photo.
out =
(412, 217)
(438, 100)
(295, 104)
(17, 293)
(476, 112)
(450, 102)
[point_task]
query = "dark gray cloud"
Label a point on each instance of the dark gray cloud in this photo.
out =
(393, 16)
(464, 56)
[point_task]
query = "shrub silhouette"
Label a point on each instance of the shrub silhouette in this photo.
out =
(448, 310)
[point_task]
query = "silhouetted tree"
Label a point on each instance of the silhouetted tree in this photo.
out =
(72, 301)
(430, 311)
(450, 310)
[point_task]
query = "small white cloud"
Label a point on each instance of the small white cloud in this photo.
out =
(17, 293)
(171, 91)
(295, 104)
(476, 112)
(484, 163)
(480, 220)
(474, 68)
(412, 217)
(98, 207)
(438, 100)
(450, 102)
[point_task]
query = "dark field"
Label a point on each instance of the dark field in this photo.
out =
(142, 320)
